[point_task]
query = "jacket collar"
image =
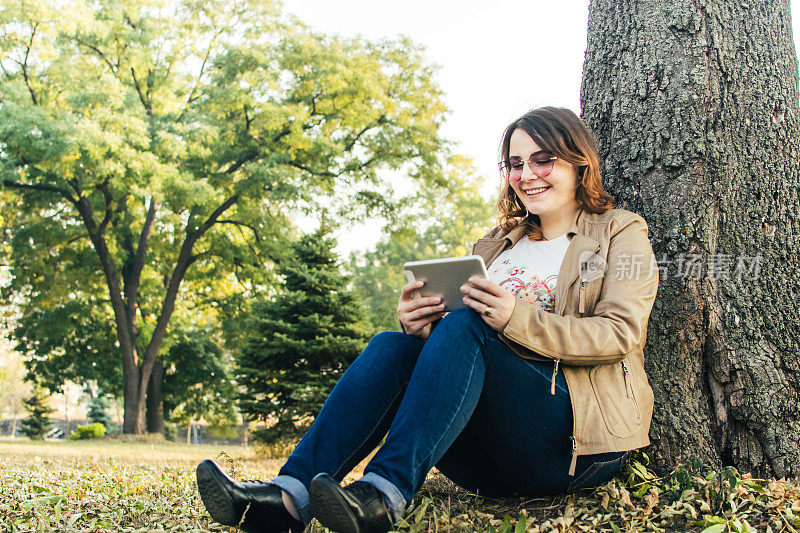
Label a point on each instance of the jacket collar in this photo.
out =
(580, 243)
(579, 218)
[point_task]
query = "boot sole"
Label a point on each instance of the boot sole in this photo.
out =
(218, 502)
(329, 507)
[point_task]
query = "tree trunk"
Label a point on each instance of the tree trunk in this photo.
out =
(155, 402)
(185, 260)
(133, 418)
(132, 415)
(695, 107)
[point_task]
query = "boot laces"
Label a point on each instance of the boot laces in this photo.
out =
(255, 482)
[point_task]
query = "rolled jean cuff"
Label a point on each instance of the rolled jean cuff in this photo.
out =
(299, 494)
(394, 499)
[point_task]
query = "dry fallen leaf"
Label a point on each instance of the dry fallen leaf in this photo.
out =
(625, 496)
(651, 499)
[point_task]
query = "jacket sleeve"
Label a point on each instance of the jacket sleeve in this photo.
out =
(620, 316)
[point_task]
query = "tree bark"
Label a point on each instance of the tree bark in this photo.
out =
(695, 107)
(155, 401)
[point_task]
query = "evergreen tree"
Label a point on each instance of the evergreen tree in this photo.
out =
(300, 341)
(97, 411)
(38, 423)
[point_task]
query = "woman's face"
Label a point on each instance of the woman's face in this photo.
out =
(559, 185)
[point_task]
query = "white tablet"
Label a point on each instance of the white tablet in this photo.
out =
(444, 277)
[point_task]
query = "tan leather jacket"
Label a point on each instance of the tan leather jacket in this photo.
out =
(598, 328)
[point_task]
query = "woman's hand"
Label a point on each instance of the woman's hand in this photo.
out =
(416, 314)
(490, 300)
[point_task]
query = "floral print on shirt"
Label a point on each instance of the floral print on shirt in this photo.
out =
(526, 286)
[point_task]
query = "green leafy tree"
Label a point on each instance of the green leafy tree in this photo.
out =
(198, 381)
(440, 221)
(70, 340)
(300, 341)
(37, 424)
(13, 388)
(153, 150)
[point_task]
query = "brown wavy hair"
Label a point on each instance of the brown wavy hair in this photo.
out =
(559, 131)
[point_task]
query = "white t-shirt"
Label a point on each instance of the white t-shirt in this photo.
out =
(529, 270)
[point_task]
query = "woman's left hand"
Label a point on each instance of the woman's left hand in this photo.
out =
(490, 300)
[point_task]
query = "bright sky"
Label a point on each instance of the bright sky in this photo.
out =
(497, 60)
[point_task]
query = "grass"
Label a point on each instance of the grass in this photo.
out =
(149, 486)
(111, 485)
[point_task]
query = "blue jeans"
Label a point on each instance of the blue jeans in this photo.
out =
(461, 401)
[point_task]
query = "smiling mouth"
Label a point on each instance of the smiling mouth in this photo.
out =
(535, 192)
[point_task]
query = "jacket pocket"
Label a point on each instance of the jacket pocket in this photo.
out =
(616, 395)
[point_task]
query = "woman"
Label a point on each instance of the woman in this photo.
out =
(536, 388)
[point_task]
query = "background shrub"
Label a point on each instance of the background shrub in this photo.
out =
(90, 431)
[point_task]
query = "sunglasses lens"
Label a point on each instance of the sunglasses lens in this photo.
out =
(512, 170)
(543, 169)
(506, 170)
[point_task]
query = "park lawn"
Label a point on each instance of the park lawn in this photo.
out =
(114, 485)
(149, 486)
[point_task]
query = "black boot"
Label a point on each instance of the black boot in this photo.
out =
(226, 501)
(356, 508)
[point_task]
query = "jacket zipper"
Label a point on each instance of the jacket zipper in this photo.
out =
(553, 381)
(574, 460)
(628, 388)
(582, 292)
(581, 311)
(582, 298)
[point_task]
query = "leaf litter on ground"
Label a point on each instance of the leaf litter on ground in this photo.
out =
(112, 486)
